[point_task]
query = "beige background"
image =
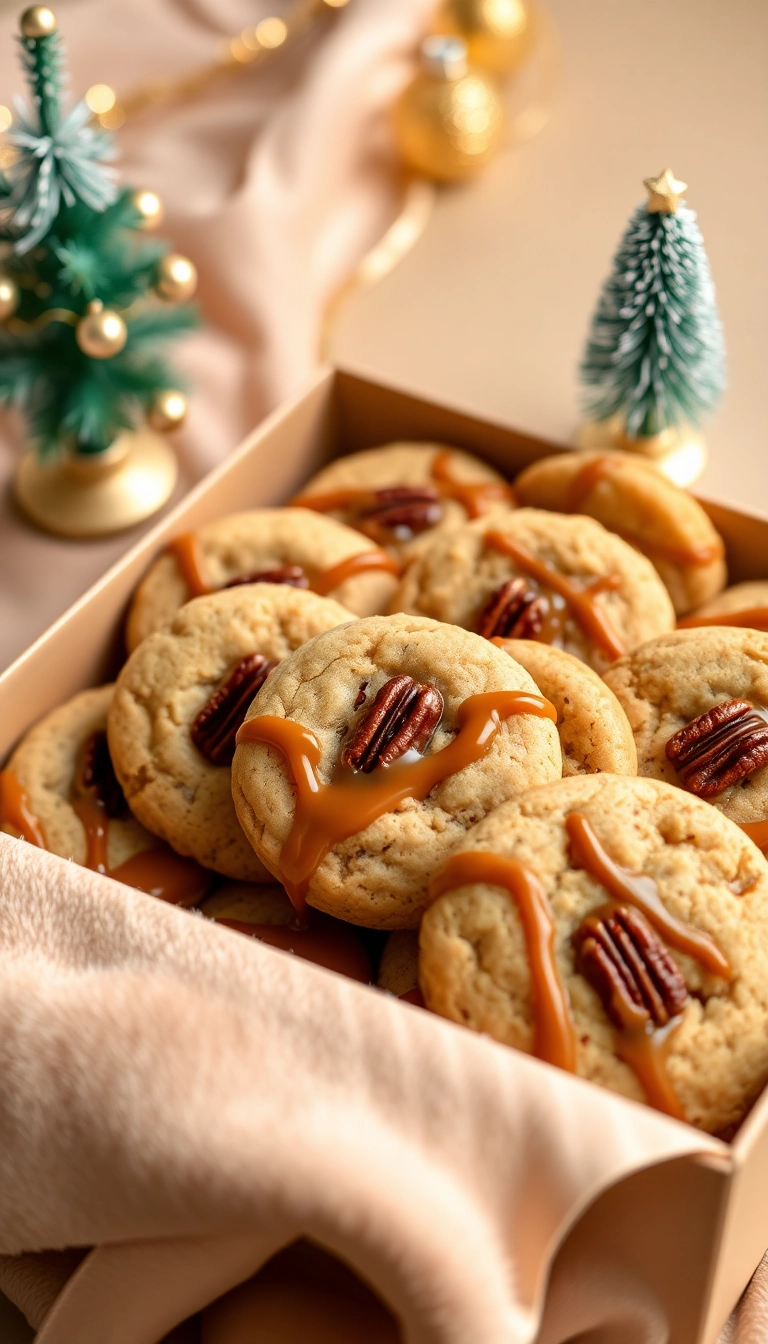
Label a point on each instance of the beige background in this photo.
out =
(490, 310)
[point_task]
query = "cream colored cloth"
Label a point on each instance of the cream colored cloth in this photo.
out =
(190, 1101)
(275, 182)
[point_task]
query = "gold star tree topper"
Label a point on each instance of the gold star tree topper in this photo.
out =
(665, 193)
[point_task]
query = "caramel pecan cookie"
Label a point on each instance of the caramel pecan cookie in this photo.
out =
(401, 494)
(371, 751)
(744, 604)
(285, 547)
(399, 966)
(265, 912)
(697, 701)
(179, 701)
(595, 735)
(618, 928)
(632, 497)
(527, 574)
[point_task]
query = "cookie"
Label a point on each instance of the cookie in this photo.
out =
(60, 792)
(399, 966)
(179, 701)
(291, 547)
(745, 604)
(681, 694)
(616, 927)
(531, 574)
(372, 750)
(595, 736)
(634, 499)
(401, 494)
(265, 912)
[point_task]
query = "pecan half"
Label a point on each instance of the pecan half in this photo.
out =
(403, 717)
(629, 966)
(95, 775)
(722, 746)
(514, 611)
(215, 728)
(291, 574)
(402, 510)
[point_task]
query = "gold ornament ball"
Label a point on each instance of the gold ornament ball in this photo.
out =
(176, 278)
(149, 206)
(497, 32)
(168, 411)
(38, 21)
(101, 333)
(9, 297)
(450, 120)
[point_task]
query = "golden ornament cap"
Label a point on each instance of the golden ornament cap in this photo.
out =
(9, 297)
(149, 207)
(448, 124)
(497, 32)
(175, 278)
(168, 411)
(38, 21)
(101, 333)
(665, 193)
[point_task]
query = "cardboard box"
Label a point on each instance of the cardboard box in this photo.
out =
(692, 1230)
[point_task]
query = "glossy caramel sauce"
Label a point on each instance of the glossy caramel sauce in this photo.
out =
(16, 812)
(751, 618)
(578, 596)
(638, 1043)
(159, 872)
(476, 497)
(554, 1036)
(326, 814)
(189, 557)
(338, 949)
(674, 553)
(757, 831)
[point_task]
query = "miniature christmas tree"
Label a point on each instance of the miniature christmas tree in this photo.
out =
(85, 298)
(655, 355)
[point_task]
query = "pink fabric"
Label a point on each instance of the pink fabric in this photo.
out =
(275, 182)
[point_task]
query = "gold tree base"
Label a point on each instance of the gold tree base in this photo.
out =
(94, 496)
(680, 454)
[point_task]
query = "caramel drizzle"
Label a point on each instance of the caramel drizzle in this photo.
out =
(554, 1034)
(476, 497)
(751, 618)
(189, 556)
(158, 872)
(16, 810)
(757, 831)
(599, 469)
(579, 597)
(644, 1049)
(326, 814)
(338, 950)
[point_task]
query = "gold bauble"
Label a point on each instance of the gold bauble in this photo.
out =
(38, 21)
(175, 278)
(450, 120)
(679, 453)
(149, 206)
(9, 297)
(497, 32)
(101, 333)
(168, 411)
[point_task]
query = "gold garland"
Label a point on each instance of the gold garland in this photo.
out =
(248, 47)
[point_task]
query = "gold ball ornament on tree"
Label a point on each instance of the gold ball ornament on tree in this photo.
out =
(497, 32)
(149, 207)
(168, 411)
(175, 278)
(38, 21)
(449, 121)
(9, 297)
(101, 333)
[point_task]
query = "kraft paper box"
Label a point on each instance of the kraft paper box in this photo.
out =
(690, 1227)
